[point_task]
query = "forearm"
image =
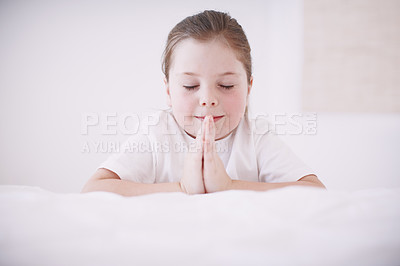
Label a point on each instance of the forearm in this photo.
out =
(262, 186)
(129, 188)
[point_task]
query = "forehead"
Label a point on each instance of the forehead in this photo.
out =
(205, 58)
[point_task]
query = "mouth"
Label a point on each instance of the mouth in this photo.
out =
(215, 118)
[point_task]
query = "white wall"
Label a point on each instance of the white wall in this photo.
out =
(61, 60)
(352, 151)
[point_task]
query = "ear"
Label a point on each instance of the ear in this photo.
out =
(250, 85)
(168, 92)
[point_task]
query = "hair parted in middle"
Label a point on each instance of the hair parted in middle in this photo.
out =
(207, 26)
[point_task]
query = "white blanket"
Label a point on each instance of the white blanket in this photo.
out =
(290, 226)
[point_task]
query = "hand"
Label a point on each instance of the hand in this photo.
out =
(192, 180)
(215, 176)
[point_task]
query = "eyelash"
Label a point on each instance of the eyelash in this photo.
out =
(226, 87)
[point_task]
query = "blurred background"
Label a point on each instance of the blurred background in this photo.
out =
(74, 73)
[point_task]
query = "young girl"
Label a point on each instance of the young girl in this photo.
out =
(205, 142)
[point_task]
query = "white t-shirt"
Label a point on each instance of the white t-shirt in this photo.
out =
(252, 152)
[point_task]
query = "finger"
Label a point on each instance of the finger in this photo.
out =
(203, 127)
(212, 135)
(198, 133)
(199, 140)
(209, 144)
(207, 134)
(208, 156)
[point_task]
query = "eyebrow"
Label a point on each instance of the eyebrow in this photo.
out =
(223, 74)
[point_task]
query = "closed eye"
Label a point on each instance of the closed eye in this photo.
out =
(190, 87)
(227, 87)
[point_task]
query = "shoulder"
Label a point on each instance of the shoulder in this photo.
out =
(160, 129)
(256, 133)
(259, 127)
(144, 127)
(156, 122)
(262, 133)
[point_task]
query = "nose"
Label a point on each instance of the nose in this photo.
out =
(208, 99)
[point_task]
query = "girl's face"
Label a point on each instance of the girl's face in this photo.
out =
(206, 78)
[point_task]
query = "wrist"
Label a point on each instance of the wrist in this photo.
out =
(231, 185)
(181, 187)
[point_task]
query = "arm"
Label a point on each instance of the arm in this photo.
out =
(309, 180)
(106, 180)
(191, 182)
(217, 179)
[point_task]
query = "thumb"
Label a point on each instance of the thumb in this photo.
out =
(199, 140)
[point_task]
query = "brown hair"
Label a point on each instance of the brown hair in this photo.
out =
(206, 26)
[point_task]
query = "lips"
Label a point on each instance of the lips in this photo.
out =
(215, 118)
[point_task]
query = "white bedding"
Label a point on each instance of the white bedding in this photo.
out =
(290, 226)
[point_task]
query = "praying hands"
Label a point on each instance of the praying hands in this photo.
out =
(203, 170)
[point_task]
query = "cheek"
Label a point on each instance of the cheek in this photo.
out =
(235, 104)
(183, 103)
